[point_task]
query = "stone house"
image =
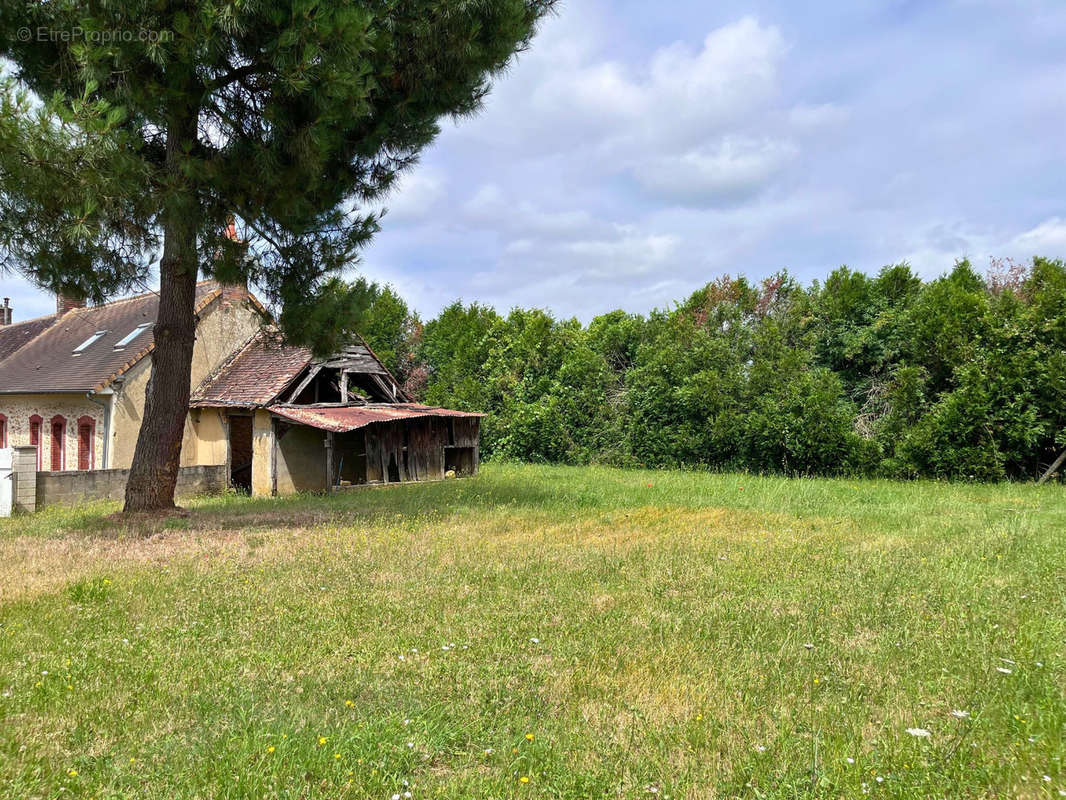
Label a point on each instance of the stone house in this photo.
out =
(72, 384)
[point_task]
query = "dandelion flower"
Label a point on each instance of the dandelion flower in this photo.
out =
(271, 749)
(72, 773)
(349, 703)
(336, 755)
(920, 733)
(529, 736)
(524, 779)
(321, 740)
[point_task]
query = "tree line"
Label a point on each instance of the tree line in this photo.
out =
(960, 377)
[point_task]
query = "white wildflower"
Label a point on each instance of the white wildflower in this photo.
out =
(808, 645)
(410, 745)
(958, 713)
(395, 797)
(921, 733)
(850, 760)
(534, 640)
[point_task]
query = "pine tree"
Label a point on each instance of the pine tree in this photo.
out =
(132, 130)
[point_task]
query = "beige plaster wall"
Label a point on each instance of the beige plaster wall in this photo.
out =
(222, 329)
(262, 454)
(301, 455)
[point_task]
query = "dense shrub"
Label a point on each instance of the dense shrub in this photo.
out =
(959, 377)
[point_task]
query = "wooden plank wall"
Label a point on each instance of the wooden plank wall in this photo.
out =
(425, 440)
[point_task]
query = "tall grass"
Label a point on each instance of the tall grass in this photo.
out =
(543, 632)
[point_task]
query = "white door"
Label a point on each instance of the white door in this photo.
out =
(7, 481)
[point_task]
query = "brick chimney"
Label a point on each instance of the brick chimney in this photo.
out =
(65, 304)
(5, 312)
(233, 293)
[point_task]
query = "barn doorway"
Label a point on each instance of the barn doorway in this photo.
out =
(240, 453)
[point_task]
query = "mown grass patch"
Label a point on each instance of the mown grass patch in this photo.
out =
(595, 632)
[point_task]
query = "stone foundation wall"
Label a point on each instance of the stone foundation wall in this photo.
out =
(110, 484)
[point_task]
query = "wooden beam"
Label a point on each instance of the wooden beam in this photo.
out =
(303, 384)
(1053, 468)
(329, 462)
(344, 386)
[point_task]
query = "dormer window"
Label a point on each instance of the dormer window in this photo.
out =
(129, 337)
(81, 348)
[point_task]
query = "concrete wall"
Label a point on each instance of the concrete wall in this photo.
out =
(24, 464)
(301, 460)
(223, 328)
(18, 408)
(78, 487)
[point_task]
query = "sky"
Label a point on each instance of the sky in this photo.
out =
(639, 150)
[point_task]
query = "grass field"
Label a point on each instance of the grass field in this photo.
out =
(544, 632)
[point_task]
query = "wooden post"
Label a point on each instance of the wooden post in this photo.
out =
(1053, 468)
(329, 462)
(344, 386)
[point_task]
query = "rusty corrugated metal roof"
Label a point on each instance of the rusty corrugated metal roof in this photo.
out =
(341, 419)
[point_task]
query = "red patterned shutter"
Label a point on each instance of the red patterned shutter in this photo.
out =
(58, 429)
(35, 436)
(84, 445)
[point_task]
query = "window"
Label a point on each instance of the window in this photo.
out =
(35, 436)
(3, 431)
(86, 451)
(59, 431)
(81, 348)
(129, 337)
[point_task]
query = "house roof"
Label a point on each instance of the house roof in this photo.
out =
(14, 336)
(46, 361)
(341, 419)
(254, 375)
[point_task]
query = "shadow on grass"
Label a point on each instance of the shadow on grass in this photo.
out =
(362, 505)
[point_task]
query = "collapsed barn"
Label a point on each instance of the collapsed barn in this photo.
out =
(289, 422)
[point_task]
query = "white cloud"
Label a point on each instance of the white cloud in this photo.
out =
(732, 171)
(1046, 239)
(416, 195)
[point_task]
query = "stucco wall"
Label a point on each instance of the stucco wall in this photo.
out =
(262, 454)
(18, 408)
(223, 328)
(301, 455)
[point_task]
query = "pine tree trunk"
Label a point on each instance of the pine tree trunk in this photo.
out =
(154, 471)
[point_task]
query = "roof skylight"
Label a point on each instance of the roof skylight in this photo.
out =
(81, 348)
(129, 337)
